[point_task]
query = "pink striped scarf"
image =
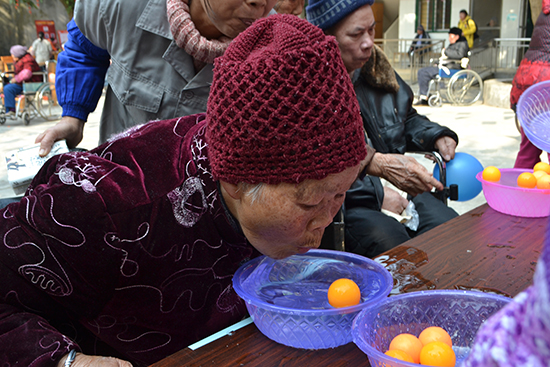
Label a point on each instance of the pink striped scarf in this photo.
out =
(188, 37)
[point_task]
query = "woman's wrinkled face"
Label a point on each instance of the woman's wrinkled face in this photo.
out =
(355, 35)
(231, 17)
(289, 219)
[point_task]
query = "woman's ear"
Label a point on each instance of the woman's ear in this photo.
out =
(231, 189)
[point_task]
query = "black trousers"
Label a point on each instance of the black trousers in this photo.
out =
(370, 232)
(424, 76)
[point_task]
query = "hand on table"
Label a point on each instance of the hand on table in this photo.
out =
(394, 201)
(69, 128)
(83, 360)
(403, 172)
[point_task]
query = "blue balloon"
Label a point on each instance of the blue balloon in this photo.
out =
(462, 171)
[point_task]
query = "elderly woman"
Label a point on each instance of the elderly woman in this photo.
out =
(128, 250)
(392, 125)
(160, 54)
(24, 66)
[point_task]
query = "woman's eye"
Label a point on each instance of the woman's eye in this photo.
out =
(308, 206)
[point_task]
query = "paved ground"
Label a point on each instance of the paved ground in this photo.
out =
(488, 133)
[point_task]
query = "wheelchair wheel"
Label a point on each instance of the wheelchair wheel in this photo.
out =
(465, 87)
(435, 101)
(26, 117)
(47, 107)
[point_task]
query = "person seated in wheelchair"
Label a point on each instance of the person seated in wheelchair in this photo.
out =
(24, 66)
(393, 126)
(450, 60)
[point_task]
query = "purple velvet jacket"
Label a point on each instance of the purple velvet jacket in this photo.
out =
(126, 250)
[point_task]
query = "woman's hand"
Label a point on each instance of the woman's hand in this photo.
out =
(403, 172)
(83, 360)
(394, 201)
(69, 128)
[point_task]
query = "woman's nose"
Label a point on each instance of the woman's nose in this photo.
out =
(257, 3)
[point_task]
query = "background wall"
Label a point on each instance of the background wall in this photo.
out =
(17, 25)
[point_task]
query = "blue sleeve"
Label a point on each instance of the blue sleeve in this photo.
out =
(80, 74)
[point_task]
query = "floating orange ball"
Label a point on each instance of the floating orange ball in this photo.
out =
(437, 354)
(399, 354)
(435, 334)
(409, 344)
(527, 180)
(542, 166)
(344, 293)
(491, 173)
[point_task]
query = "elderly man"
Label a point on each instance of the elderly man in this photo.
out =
(392, 125)
(128, 250)
(450, 58)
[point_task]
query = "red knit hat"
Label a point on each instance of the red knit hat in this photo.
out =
(282, 107)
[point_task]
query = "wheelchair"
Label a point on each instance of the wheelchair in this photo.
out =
(37, 99)
(461, 87)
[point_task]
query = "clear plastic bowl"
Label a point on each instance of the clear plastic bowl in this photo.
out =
(460, 313)
(287, 299)
(533, 112)
(504, 196)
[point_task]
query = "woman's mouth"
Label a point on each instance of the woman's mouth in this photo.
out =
(247, 21)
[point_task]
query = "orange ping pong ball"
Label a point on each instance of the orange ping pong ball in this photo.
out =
(344, 293)
(491, 173)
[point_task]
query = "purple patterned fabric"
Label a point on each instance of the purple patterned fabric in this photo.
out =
(519, 334)
(125, 250)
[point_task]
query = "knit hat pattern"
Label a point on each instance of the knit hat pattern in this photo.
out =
(282, 107)
(327, 13)
(18, 51)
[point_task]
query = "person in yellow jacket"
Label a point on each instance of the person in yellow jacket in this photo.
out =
(468, 27)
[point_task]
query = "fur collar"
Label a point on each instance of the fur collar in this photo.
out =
(378, 72)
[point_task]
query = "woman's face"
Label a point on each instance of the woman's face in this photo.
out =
(289, 219)
(231, 17)
(355, 36)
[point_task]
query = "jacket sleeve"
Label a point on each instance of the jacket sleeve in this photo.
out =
(80, 74)
(470, 28)
(55, 266)
(365, 193)
(420, 132)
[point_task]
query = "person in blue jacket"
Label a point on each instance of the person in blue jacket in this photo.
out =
(159, 54)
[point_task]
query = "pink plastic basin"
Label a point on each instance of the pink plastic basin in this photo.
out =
(504, 196)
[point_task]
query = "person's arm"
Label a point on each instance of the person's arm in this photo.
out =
(80, 77)
(54, 265)
(404, 172)
(80, 74)
(457, 50)
(470, 28)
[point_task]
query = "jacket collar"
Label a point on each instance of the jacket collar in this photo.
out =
(154, 19)
(378, 72)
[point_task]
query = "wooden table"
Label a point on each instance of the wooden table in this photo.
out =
(480, 250)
